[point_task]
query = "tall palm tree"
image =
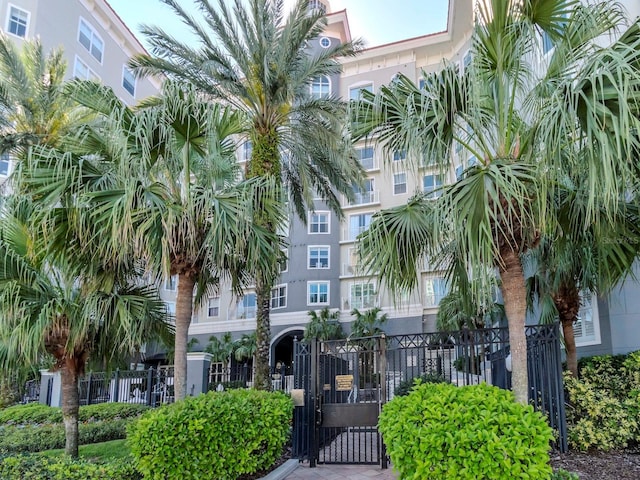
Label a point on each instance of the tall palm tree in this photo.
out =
(160, 181)
(255, 57)
(33, 107)
(67, 305)
(323, 326)
(221, 349)
(524, 117)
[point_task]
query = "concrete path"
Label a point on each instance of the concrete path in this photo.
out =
(341, 472)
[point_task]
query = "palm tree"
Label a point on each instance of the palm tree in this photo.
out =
(68, 306)
(457, 310)
(160, 181)
(33, 107)
(221, 350)
(323, 326)
(255, 57)
(524, 118)
(571, 264)
(245, 347)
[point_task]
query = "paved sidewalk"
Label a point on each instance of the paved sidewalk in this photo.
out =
(341, 472)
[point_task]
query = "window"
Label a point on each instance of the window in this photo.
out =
(318, 257)
(325, 42)
(213, 307)
(128, 81)
(317, 5)
(279, 297)
(430, 185)
(399, 183)
(547, 43)
(358, 224)
(586, 330)
(362, 295)
(82, 71)
(5, 160)
(247, 306)
(320, 87)
(459, 172)
(466, 61)
(284, 260)
(365, 193)
(472, 161)
(319, 222)
(421, 83)
(18, 22)
(247, 149)
(435, 290)
(355, 92)
(90, 40)
(171, 308)
(365, 157)
(171, 283)
(399, 155)
(318, 293)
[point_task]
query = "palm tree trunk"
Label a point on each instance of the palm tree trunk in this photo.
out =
(515, 306)
(567, 302)
(262, 378)
(70, 406)
(184, 309)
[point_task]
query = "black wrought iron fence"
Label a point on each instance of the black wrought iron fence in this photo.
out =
(151, 387)
(465, 357)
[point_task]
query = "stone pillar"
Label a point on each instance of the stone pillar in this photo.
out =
(197, 372)
(46, 377)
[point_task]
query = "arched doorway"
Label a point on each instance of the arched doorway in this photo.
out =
(282, 349)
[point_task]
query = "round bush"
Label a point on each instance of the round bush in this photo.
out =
(440, 431)
(219, 435)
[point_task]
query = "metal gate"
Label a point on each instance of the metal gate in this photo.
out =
(348, 391)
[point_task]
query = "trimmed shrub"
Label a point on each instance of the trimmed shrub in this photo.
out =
(36, 413)
(36, 438)
(219, 435)
(562, 474)
(440, 431)
(596, 418)
(63, 468)
(405, 386)
(606, 372)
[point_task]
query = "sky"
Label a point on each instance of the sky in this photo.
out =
(376, 21)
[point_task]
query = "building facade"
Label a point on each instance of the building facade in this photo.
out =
(97, 44)
(323, 270)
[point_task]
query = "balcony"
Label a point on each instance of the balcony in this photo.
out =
(349, 234)
(365, 198)
(352, 270)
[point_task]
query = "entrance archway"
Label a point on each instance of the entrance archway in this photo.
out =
(282, 348)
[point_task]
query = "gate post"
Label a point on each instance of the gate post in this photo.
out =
(314, 395)
(382, 352)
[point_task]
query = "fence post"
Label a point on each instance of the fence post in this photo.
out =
(89, 389)
(149, 386)
(116, 386)
(316, 404)
(382, 351)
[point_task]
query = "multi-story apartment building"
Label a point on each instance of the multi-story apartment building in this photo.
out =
(323, 269)
(96, 43)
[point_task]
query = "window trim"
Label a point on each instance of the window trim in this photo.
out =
(360, 86)
(246, 317)
(8, 22)
(286, 294)
(97, 35)
(360, 214)
(436, 302)
(362, 285)
(318, 247)
(319, 212)
(436, 191)
(166, 283)
(135, 81)
(595, 318)
(321, 41)
(318, 282)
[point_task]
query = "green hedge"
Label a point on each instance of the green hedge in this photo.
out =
(63, 468)
(36, 413)
(406, 386)
(36, 438)
(440, 431)
(219, 435)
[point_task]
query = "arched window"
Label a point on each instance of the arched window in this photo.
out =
(320, 87)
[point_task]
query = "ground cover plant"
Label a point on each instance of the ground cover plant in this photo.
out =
(220, 435)
(440, 431)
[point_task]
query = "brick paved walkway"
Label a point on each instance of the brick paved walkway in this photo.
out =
(341, 472)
